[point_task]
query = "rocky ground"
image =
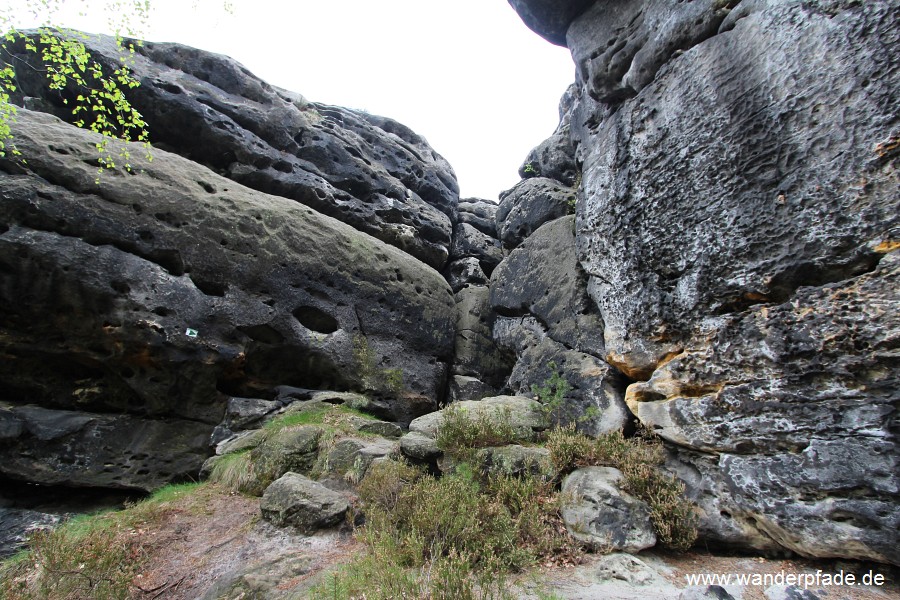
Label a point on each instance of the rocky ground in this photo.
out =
(226, 551)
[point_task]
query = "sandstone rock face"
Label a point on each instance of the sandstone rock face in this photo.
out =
(550, 18)
(158, 294)
(550, 323)
(302, 503)
(738, 220)
(736, 191)
(530, 204)
(554, 158)
(597, 513)
(476, 354)
(68, 447)
(367, 171)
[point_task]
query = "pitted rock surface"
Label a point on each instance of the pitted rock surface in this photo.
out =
(370, 172)
(162, 292)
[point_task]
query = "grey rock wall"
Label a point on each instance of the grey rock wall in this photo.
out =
(140, 303)
(737, 219)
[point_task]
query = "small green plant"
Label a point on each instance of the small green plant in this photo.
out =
(373, 377)
(531, 170)
(552, 393)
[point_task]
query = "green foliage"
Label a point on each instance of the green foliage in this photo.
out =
(531, 170)
(97, 94)
(94, 556)
(639, 459)
(372, 376)
(453, 537)
(236, 471)
(461, 432)
(551, 394)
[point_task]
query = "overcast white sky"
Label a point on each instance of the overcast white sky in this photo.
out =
(466, 74)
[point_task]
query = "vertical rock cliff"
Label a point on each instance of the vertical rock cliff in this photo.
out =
(737, 221)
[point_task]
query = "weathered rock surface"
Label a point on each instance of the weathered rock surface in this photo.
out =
(710, 192)
(542, 278)
(787, 396)
(465, 272)
(463, 387)
(68, 447)
(619, 46)
(469, 242)
(367, 171)
(299, 502)
(737, 220)
(596, 512)
(550, 18)
(419, 446)
(594, 398)
(480, 214)
(294, 449)
(551, 324)
(160, 293)
(476, 354)
(528, 205)
(554, 158)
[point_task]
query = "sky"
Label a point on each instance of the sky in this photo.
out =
(467, 75)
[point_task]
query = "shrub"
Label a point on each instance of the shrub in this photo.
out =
(453, 537)
(638, 458)
(551, 394)
(461, 432)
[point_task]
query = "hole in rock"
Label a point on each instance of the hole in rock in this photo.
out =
(315, 319)
(210, 287)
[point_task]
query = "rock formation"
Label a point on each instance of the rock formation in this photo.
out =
(370, 172)
(737, 221)
(137, 308)
(706, 247)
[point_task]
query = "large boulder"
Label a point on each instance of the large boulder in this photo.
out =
(597, 513)
(367, 171)
(550, 18)
(542, 278)
(524, 415)
(301, 503)
(592, 394)
(480, 214)
(528, 205)
(162, 291)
